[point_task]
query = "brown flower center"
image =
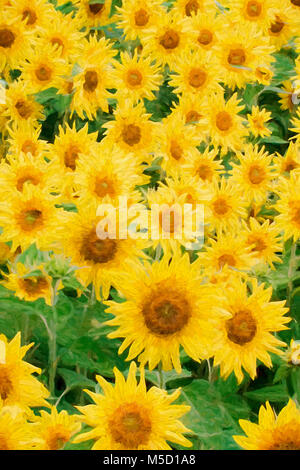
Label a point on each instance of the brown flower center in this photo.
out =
(43, 73)
(191, 7)
(241, 328)
(57, 436)
(7, 38)
(236, 57)
(205, 37)
(223, 121)
(254, 9)
(170, 39)
(130, 425)
(103, 187)
(290, 166)
(6, 385)
(71, 155)
(30, 16)
(31, 219)
(57, 42)
(96, 250)
(134, 77)
(96, 8)
(34, 285)
(226, 259)
(28, 177)
(205, 172)
(29, 147)
(197, 77)
(141, 17)
(131, 134)
(220, 206)
(277, 26)
(256, 174)
(23, 108)
(192, 116)
(176, 150)
(166, 311)
(90, 81)
(258, 242)
(296, 2)
(3, 442)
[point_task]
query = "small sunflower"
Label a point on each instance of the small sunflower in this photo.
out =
(166, 307)
(23, 138)
(15, 42)
(22, 106)
(191, 8)
(255, 173)
(127, 416)
(135, 77)
(290, 161)
(225, 126)
(17, 385)
(29, 284)
(288, 207)
(272, 432)
(33, 13)
(257, 120)
(93, 14)
(260, 13)
(207, 30)
(247, 335)
(205, 167)
(55, 428)
(264, 240)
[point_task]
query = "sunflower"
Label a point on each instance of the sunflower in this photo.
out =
(100, 260)
(264, 241)
(70, 143)
(257, 120)
(136, 17)
(255, 173)
(21, 106)
(15, 42)
(272, 432)
(93, 14)
(135, 77)
(226, 206)
(168, 39)
(6, 254)
(190, 107)
(225, 126)
(17, 385)
(207, 30)
(290, 161)
(26, 169)
(23, 138)
(288, 207)
(107, 174)
(204, 166)
(33, 13)
(42, 68)
(55, 428)
(196, 72)
(241, 50)
(283, 27)
(15, 432)
(94, 78)
(247, 335)
(195, 7)
(127, 416)
(178, 142)
(225, 256)
(169, 214)
(30, 217)
(133, 131)
(62, 32)
(166, 307)
(29, 284)
(260, 13)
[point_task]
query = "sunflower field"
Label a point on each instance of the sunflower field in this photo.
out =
(125, 335)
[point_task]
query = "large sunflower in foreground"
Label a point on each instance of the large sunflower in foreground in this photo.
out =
(17, 385)
(281, 432)
(128, 417)
(166, 307)
(247, 336)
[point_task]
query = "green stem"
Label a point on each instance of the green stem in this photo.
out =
(161, 377)
(52, 341)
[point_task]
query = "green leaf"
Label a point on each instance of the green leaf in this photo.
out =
(73, 379)
(275, 393)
